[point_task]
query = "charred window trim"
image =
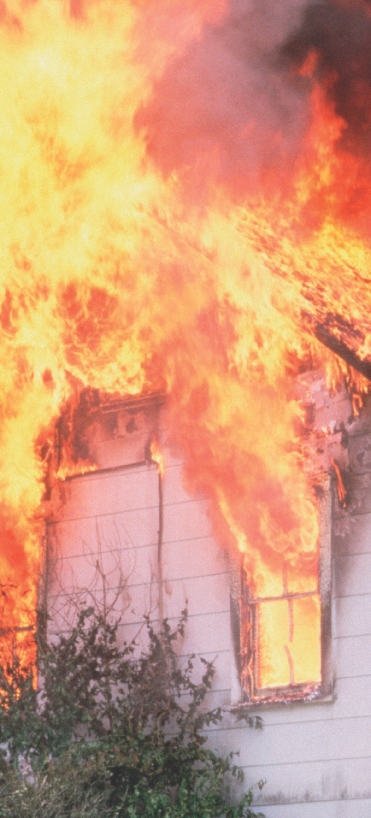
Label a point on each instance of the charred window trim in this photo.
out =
(71, 432)
(245, 692)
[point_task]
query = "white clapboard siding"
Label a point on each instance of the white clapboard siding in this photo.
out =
(189, 518)
(353, 656)
(326, 782)
(353, 615)
(110, 492)
(197, 557)
(325, 785)
(315, 757)
(352, 575)
(352, 535)
(302, 743)
(347, 808)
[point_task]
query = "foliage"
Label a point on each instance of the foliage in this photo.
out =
(57, 792)
(124, 730)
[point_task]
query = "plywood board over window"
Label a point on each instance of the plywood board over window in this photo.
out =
(282, 639)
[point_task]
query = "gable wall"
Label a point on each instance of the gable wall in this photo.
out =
(104, 543)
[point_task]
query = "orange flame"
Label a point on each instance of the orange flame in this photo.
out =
(341, 490)
(137, 255)
(157, 457)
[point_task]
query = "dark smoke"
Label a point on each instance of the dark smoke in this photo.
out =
(223, 111)
(234, 107)
(340, 34)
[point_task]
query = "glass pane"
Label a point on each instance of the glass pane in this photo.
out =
(289, 642)
(281, 575)
(273, 631)
(306, 643)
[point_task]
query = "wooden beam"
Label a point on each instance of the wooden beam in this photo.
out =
(342, 338)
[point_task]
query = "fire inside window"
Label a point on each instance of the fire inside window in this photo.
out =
(283, 640)
(18, 644)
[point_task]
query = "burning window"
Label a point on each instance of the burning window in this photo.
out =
(283, 636)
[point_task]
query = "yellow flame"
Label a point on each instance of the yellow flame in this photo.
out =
(112, 276)
(157, 457)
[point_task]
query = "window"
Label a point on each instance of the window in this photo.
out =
(18, 644)
(283, 641)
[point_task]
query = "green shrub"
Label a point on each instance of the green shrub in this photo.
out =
(60, 791)
(112, 733)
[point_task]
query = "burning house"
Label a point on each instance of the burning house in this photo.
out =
(186, 355)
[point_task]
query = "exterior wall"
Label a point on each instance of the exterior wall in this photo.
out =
(103, 541)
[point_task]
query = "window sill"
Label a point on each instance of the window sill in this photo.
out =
(240, 708)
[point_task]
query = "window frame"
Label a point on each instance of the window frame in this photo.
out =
(245, 690)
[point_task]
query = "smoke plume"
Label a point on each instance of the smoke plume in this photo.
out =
(340, 36)
(223, 111)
